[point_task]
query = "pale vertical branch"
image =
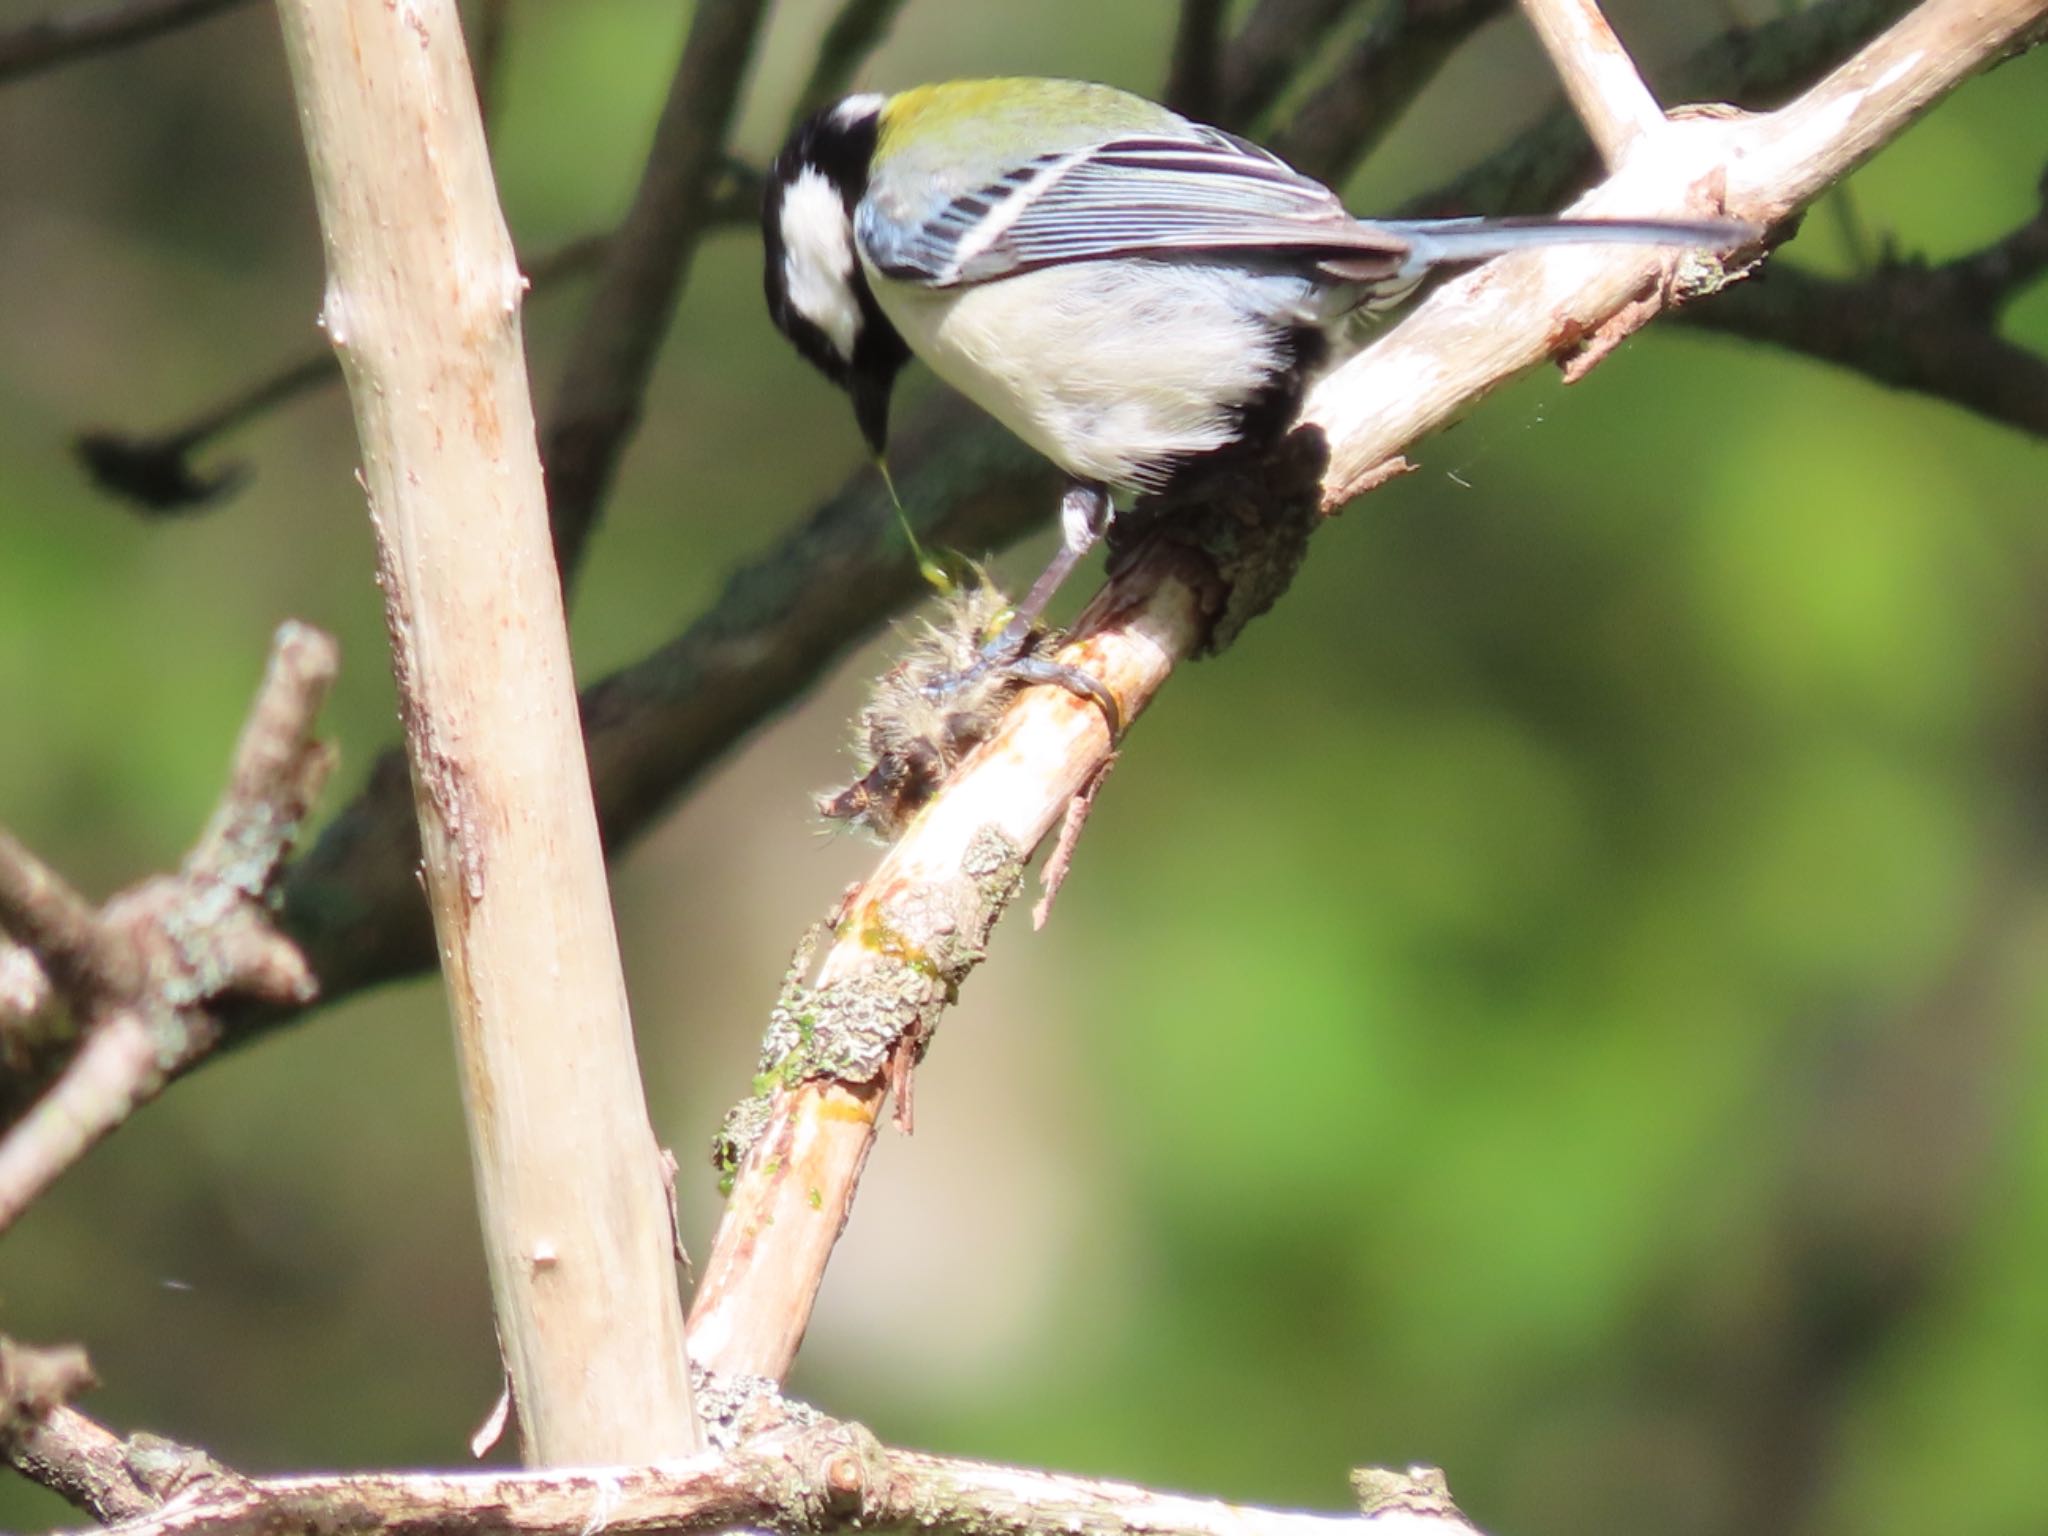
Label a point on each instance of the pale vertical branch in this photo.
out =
(1599, 76)
(422, 304)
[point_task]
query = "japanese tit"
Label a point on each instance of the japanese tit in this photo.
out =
(1130, 292)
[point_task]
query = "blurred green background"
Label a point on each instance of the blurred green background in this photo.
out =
(1561, 999)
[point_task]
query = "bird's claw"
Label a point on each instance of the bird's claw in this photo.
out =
(1036, 669)
(1011, 658)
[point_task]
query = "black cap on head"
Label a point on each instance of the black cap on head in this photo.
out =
(817, 293)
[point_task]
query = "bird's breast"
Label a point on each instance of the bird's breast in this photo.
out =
(1115, 370)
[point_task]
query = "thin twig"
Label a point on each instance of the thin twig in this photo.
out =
(64, 37)
(1757, 68)
(855, 33)
(24, 994)
(1474, 334)
(41, 912)
(644, 269)
(1599, 77)
(154, 472)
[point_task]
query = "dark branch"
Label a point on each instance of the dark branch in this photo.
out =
(1194, 77)
(1756, 68)
(1277, 41)
(63, 37)
(1903, 325)
(643, 272)
(1373, 85)
(856, 31)
(155, 473)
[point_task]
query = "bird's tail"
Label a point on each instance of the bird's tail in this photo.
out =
(1440, 242)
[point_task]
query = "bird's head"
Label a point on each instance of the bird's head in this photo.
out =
(817, 293)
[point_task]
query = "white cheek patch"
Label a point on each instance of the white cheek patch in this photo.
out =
(817, 261)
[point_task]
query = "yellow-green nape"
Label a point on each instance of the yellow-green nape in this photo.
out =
(1013, 117)
(935, 575)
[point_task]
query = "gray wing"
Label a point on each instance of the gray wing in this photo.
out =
(1139, 195)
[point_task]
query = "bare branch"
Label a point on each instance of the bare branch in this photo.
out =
(82, 1463)
(1599, 76)
(802, 1473)
(1761, 169)
(923, 913)
(59, 927)
(113, 1074)
(144, 976)
(1754, 67)
(904, 945)
(422, 303)
(154, 471)
(643, 272)
(856, 31)
(64, 37)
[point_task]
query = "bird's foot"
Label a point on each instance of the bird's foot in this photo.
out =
(944, 698)
(1019, 662)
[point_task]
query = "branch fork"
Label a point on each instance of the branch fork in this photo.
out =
(145, 975)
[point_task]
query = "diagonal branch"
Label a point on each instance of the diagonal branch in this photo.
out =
(1911, 326)
(643, 271)
(911, 933)
(1599, 76)
(1270, 49)
(783, 619)
(1194, 74)
(1374, 83)
(854, 33)
(64, 37)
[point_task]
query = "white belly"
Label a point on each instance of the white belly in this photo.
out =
(1111, 369)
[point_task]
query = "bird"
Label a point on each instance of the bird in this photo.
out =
(1132, 293)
